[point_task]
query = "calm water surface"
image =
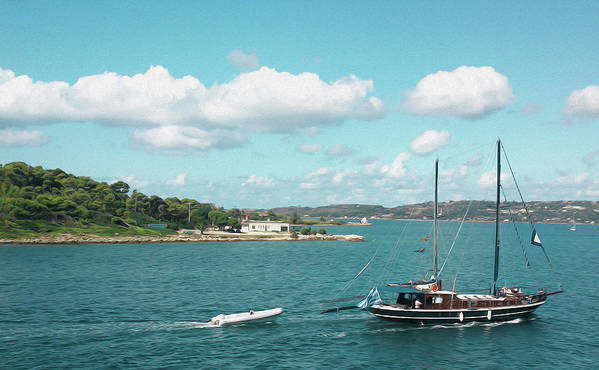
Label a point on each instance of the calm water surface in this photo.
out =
(119, 306)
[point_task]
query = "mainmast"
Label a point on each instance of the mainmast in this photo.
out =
(435, 211)
(496, 270)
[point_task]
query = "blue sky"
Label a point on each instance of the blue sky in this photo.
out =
(264, 104)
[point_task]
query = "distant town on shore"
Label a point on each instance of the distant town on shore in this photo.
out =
(580, 212)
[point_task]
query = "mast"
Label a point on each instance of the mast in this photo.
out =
(496, 269)
(435, 232)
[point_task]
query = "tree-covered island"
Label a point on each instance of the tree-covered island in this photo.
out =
(35, 201)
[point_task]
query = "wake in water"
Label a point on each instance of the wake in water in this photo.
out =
(195, 325)
(473, 324)
(209, 325)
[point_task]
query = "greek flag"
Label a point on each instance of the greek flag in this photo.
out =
(371, 299)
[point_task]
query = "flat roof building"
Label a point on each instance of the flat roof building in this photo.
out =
(264, 226)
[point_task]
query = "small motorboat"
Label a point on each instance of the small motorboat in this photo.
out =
(221, 319)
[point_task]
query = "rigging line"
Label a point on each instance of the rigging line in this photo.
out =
(468, 238)
(350, 283)
(455, 238)
(530, 219)
(513, 218)
(461, 261)
(391, 261)
(395, 253)
(472, 148)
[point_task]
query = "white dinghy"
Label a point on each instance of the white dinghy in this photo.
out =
(221, 319)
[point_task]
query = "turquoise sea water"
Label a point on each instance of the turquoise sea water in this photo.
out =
(119, 306)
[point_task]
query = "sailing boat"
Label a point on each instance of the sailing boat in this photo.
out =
(426, 301)
(573, 227)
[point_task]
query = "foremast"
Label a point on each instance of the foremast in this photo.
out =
(435, 222)
(496, 268)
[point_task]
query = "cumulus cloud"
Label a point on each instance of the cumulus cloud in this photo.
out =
(489, 179)
(450, 176)
(134, 182)
(319, 172)
(475, 161)
(259, 181)
(583, 103)
(178, 181)
(310, 148)
(10, 138)
(397, 168)
(467, 92)
(242, 60)
(429, 141)
(265, 100)
(369, 165)
(571, 179)
(183, 139)
(309, 185)
(338, 178)
(326, 178)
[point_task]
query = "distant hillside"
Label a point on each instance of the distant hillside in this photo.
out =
(541, 212)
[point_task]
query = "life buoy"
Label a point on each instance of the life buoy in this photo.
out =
(435, 288)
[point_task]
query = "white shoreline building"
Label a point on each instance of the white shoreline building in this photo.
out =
(264, 226)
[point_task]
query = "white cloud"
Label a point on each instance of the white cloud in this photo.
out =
(591, 158)
(429, 141)
(264, 100)
(10, 138)
(450, 176)
(339, 150)
(475, 161)
(397, 169)
(338, 178)
(134, 182)
(242, 60)
(468, 92)
(309, 185)
(489, 179)
(310, 148)
(318, 173)
(583, 103)
(259, 181)
(571, 179)
(180, 180)
(182, 139)
(370, 168)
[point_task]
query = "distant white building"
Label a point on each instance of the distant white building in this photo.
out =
(262, 226)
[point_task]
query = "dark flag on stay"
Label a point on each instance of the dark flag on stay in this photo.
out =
(535, 240)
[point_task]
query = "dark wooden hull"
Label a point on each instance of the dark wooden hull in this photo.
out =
(437, 316)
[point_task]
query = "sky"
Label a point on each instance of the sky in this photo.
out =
(261, 104)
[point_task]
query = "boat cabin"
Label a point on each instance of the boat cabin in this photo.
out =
(427, 298)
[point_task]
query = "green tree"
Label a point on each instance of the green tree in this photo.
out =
(293, 219)
(218, 218)
(120, 187)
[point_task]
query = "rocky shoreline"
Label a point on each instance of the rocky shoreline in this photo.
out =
(179, 238)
